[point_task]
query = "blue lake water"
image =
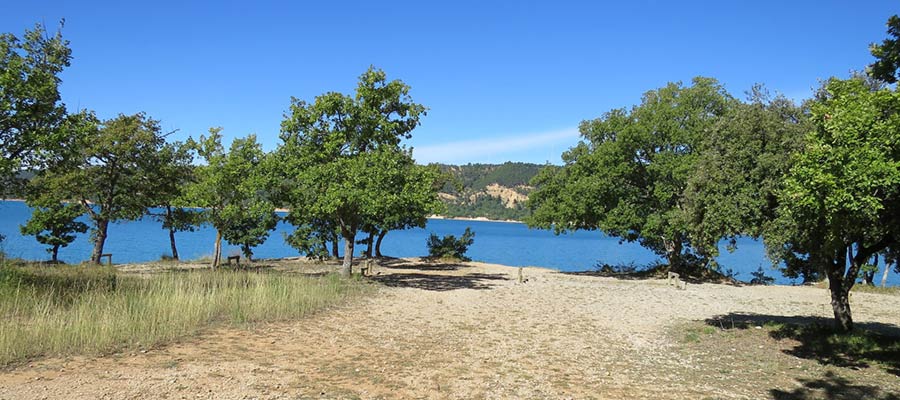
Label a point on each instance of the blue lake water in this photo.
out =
(495, 242)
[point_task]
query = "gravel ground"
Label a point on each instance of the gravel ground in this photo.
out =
(462, 331)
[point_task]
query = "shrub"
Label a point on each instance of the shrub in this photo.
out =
(449, 246)
(760, 278)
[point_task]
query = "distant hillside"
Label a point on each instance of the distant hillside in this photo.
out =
(488, 190)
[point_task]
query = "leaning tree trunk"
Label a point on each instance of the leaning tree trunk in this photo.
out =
(378, 243)
(54, 255)
(99, 241)
(885, 274)
(217, 253)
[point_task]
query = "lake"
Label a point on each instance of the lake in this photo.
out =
(495, 242)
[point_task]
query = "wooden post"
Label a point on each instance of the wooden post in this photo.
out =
(521, 278)
(108, 258)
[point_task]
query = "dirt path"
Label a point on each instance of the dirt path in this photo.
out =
(443, 331)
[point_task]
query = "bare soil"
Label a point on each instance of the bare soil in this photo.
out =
(471, 330)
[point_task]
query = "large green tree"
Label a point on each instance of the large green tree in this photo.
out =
(233, 190)
(335, 149)
(108, 171)
(840, 204)
(31, 110)
(629, 174)
(733, 188)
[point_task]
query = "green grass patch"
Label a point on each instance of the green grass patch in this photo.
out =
(87, 310)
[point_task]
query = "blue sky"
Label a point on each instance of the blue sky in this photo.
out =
(503, 80)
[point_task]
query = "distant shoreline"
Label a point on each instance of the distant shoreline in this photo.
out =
(479, 219)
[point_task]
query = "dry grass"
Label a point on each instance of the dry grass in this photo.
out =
(86, 310)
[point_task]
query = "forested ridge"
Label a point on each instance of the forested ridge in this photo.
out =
(493, 191)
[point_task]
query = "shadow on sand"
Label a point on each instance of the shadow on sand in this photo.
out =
(420, 275)
(870, 343)
(832, 387)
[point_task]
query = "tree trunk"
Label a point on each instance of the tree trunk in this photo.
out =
(840, 304)
(347, 266)
(55, 254)
(370, 240)
(885, 275)
(172, 243)
(334, 249)
(673, 255)
(217, 253)
(248, 252)
(378, 243)
(99, 241)
(839, 286)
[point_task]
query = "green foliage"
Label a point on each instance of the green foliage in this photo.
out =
(31, 112)
(476, 177)
(344, 169)
(760, 277)
(486, 206)
(233, 189)
(109, 170)
(55, 225)
(734, 185)
(840, 203)
(450, 246)
(887, 53)
(629, 175)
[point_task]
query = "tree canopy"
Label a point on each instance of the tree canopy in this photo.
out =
(341, 156)
(233, 190)
(840, 204)
(108, 171)
(628, 175)
(31, 111)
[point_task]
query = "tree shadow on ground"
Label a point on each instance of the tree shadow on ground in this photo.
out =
(816, 339)
(424, 264)
(832, 387)
(439, 283)
(661, 272)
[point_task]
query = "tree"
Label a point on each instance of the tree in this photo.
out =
(55, 225)
(628, 176)
(733, 188)
(333, 149)
(887, 53)
(31, 111)
(403, 195)
(108, 171)
(840, 204)
(233, 190)
(171, 175)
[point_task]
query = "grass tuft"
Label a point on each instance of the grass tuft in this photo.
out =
(86, 310)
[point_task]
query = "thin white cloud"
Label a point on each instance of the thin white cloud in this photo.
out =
(495, 149)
